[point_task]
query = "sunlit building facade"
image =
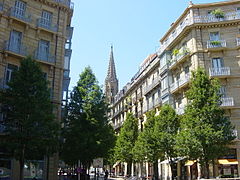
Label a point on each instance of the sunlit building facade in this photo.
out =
(42, 30)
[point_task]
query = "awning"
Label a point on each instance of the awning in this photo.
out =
(190, 163)
(227, 161)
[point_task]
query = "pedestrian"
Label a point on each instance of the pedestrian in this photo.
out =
(106, 175)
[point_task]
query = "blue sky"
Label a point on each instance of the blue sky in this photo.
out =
(134, 27)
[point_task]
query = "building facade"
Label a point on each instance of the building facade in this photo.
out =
(42, 30)
(207, 36)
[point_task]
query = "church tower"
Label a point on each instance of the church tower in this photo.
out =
(111, 81)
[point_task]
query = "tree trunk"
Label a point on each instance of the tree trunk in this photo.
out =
(21, 163)
(207, 169)
(129, 168)
(155, 170)
(172, 167)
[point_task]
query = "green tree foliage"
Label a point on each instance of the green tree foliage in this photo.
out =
(126, 141)
(87, 133)
(166, 129)
(146, 147)
(205, 131)
(31, 131)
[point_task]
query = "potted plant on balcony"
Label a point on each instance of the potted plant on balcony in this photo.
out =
(216, 43)
(175, 52)
(218, 13)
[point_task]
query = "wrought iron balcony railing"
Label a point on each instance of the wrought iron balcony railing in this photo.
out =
(227, 101)
(16, 49)
(20, 14)
(155, 82)
(42, 23)
(182, 81)
(44, 57)
(177, 58)
(216, 44)
(221, 71)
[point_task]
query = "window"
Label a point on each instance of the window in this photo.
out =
(177, 77)
(222, 91)
(186, 69)
(217, 62)
(20, 8)
(214, 36)
(238, 9)
(9, 72)
(46, 19)
(43, 50)
(164, 83)
(15, 41)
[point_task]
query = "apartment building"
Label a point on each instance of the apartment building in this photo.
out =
(140, 95)
(207, 36)
(42, 30)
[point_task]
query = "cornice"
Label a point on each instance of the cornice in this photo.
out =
(56, 5)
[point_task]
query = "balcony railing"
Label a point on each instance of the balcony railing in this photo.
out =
(155, 82)
(69, 33)
(42, 23)
(180, 82)
(235, 15)
(67, 3)
(16, 49)
(44, 57)
(212, 18)
(222, 71)
(178, 58)
(20, 14)
(227, 101)
(238, 41)
(216, 44)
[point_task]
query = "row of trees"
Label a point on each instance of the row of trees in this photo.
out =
(201, 134)
(31, 129)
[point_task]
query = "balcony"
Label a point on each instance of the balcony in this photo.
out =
(18, 50)
(66, 80)
(180, 83)
(218, 44)
(212, 18)
(19, 14)
(222, 72)
(42, 23)
(67, 3)
(155, 82)
(44, 57)
(238, 41)
(227, 102)
(178, 58)
(69, 33)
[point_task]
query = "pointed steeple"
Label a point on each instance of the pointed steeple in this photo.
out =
(111, 75)
(111, 81)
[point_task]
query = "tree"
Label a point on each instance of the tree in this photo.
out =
(146, 147)
(126, 140)
(87, 132)
(31, 129)
(166, 129)
(205, 131)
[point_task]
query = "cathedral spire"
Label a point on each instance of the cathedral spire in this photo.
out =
(111, 81)
(111, 75)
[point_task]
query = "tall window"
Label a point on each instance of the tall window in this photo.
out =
(214, 36)
(9, 72)
(15, 41)
(164, 83)
(20, 8)
(222, 91)
(217, 62)
(46, 19)
(43, 50)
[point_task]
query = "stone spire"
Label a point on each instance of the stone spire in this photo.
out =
(111, 75)
(111, 81)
